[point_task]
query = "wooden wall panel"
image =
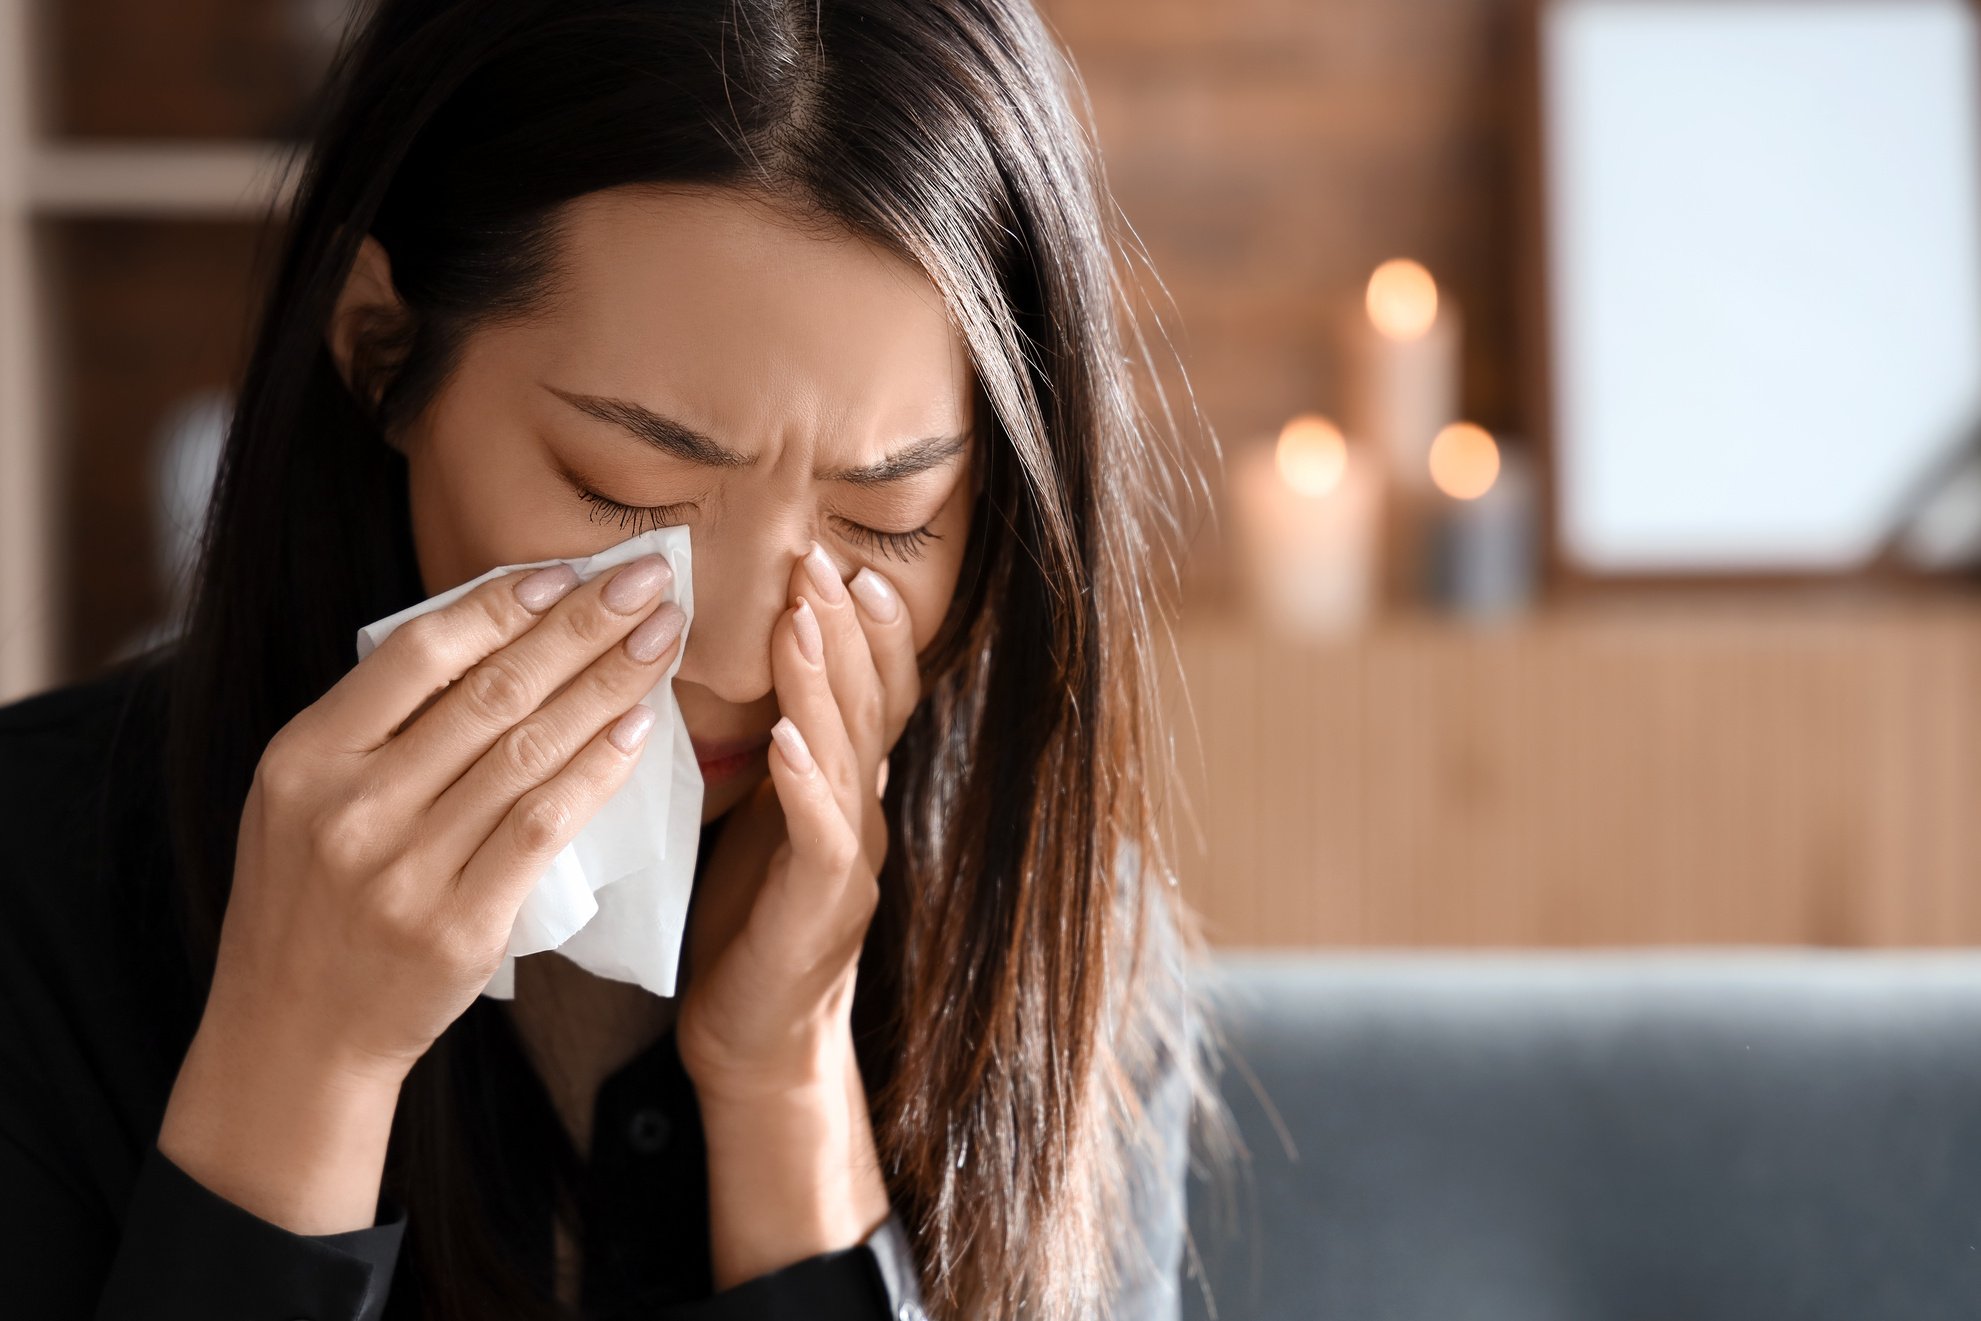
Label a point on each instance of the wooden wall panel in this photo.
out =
(1701, 771)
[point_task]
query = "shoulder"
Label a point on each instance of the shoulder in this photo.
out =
(52, 741)
(1157, 1034)
(95, 1005)
(1156, 996)
(83, 878)
(63, 755)
(1157, 1012)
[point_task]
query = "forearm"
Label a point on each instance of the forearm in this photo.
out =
(791, 1175)
(279, 1131)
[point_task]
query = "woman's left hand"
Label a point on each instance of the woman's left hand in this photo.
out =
(775, 940)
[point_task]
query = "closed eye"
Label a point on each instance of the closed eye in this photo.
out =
(908, 545)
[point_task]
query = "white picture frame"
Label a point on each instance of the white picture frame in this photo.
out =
(1761, 275)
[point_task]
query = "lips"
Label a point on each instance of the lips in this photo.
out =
(712, 750)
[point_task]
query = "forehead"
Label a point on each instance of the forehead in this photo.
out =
(705, 303)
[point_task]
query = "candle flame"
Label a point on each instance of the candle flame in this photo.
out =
(1311, 454)
(1465, 461)
(1402, 299)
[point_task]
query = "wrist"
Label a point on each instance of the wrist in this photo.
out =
(792, 1173)
(286, 1133)
(811, 1068)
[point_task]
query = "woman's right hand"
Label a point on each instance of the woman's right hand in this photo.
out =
(391, 833)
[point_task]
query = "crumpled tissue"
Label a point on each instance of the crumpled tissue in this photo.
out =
(615, 899)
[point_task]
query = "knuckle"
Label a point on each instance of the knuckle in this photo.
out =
(592, 625)
(399, 909)
(868, 709)
(464, 943)
(529, 753)
(497, 689)
(845, 781)
(600, 684)
(423, 639)
(283, 774)
(495, 601)
(540, 821)
(346, 836)
(838, 851)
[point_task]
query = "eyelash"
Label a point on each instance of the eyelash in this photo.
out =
(895, 545)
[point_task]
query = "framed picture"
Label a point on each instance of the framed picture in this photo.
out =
(1754, 238)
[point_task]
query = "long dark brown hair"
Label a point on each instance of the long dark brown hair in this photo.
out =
(1029, 965)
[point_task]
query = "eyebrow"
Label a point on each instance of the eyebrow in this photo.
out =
(684, 442)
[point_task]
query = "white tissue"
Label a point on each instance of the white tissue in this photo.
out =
(615, 900)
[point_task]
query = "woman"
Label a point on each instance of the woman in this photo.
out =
(830, 285)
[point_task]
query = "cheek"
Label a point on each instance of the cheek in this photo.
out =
(468, 512)
(928, 585)
(926, 589)
(487, 498)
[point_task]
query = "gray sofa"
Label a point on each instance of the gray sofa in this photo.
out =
(1675, 1135)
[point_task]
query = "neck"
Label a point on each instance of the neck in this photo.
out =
(578, 1028)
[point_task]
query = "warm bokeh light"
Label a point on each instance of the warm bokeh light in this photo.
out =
(1402, 299)
(1312, 455)
(1464, 461)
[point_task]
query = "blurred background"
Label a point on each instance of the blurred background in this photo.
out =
(1577, 708)
(1588, 389)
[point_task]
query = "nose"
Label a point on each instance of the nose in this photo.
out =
(741, 585)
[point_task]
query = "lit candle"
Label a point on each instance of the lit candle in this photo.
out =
(1306, 508)
(1400, 357)
(1483, 524)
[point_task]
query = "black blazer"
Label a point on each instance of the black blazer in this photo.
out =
(97, 1009)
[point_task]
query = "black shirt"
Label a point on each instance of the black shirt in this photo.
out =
(97, 1009)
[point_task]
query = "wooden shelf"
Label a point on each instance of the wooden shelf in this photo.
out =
(216, 180)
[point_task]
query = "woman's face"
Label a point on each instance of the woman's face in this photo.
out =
(804, 357)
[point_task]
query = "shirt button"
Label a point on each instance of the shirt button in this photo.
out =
(910, 1312)
(648, 1130)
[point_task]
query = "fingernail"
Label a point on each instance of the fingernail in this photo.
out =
(792, 744)
(656, 633)
(876, 595)
(539, 591)
(824, 574)
(637, 583)
(630, 730)
(806, 625)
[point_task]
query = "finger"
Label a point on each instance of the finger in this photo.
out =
(804, 693)
(856, 684)
(418, 659)
(825, 870)
(504, 687)
(873, 820)
(542, 744)
(491, 887)
(891, 644)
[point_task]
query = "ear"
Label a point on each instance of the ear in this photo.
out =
(367, 302)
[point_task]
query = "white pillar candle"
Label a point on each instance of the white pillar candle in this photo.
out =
(1305, 519)
(1400, 354)
(1483, 523)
